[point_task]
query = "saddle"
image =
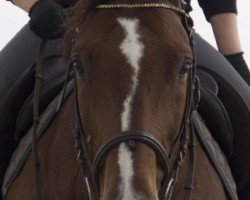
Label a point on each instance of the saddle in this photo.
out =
(54, 79)
(234, 93)
(214, 113)
(9, 107)
(16, 108)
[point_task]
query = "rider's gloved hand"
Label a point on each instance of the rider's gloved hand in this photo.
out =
(47, 19)
(238, 62)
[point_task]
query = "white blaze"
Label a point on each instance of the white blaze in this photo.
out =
(132, 48)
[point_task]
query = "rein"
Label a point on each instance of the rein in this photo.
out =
(37, 91)
(91, 166)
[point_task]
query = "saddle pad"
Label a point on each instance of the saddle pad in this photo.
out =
(214, 113)
(215, 155)
(235, 98)
(54, 75)
(217, 121)
(24, 148)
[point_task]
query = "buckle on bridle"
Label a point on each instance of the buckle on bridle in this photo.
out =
(169, 189)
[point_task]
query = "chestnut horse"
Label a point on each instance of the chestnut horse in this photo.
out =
(134, 80)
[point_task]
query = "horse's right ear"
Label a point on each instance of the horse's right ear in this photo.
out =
(91, 4)
(185, 4)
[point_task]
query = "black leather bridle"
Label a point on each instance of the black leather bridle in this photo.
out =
(185, 137)
(91, 166)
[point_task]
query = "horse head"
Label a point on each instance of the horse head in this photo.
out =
(131, 80)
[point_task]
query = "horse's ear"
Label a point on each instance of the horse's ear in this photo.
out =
(77, 14)
(87, 4)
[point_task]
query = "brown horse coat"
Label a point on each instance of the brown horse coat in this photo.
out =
(132, 60)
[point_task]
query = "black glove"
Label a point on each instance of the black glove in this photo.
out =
(46, 19)
(186, 5)
(239, 64)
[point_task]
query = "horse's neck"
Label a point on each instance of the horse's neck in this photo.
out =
(64, 169)
(60, 173)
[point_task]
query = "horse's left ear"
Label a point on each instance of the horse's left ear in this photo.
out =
(185, 4)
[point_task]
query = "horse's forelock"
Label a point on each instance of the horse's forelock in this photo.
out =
(77, 15)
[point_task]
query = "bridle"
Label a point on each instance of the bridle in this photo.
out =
(91, 166)
(91, 170)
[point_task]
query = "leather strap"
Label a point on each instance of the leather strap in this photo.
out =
(38, 83)
(139, 136)
(191, 166)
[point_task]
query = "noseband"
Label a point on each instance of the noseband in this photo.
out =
(91, 166)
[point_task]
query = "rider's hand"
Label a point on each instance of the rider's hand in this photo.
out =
(47, 19)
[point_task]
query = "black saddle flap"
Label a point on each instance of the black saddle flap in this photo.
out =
(214, 113)
(236, 102)
(207, 81)
(216, 119)
(10, 105)
(53, 81)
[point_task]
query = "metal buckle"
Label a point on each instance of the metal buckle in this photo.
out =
(169, 189)
(88, 187)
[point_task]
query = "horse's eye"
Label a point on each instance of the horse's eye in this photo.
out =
(185, 68)
(77, 64)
